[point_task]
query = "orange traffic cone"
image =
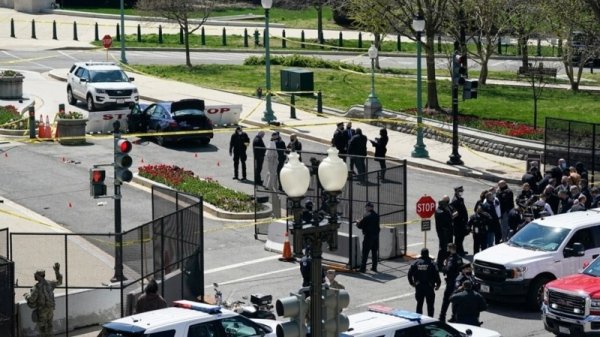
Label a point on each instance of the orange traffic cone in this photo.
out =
(41, 128)
(287, 250)
(48, 128)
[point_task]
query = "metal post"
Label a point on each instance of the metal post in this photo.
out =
(293, 106)
(439, 43)
(341, 40)
(123, 58)
(96, 34)
(455, 156)
(118, 32)
(420, 151)
(283, 40)
(54, 37)
(316, 280)
(180, 35)
(500, 45)
(268, 113)
(33, 29)
(118, 277)
(139, 33)
(359, 39)
(398, 43)
(256, 38)
(224, 37)
(12, 27)
(302, 39)
(202, 37)
(319, 102)
(31, 122)
(245, 37)
(160, 36)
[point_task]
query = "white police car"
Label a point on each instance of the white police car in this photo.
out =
(189, 319)
(382, 321)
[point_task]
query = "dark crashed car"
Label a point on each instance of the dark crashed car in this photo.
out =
(186, 119)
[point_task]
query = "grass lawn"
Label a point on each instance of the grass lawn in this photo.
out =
(343, 89)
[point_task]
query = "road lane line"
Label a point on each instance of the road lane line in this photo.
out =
(241, 264)
(255, 276)
(386, 299)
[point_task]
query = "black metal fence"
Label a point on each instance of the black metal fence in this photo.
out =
(574, 141)
(171, 244)
(385, 188)
(7, 304)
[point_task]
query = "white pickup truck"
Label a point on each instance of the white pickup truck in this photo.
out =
(544, 250)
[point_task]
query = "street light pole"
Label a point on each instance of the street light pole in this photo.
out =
(123, 58)
(455, 156)
(268, 115)
(372, 104)
(118, 276)
(419, 151)
(295, 179)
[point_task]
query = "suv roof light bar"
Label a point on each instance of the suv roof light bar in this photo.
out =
(99, 63)
(203, 307)
(382, 309)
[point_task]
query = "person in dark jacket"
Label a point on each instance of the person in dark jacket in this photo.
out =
(479, 224)
(380, 145)
(565, 203)
(595, 192)
(524, 195)
(443, 228)
(552, 198)
(237, 148)
(369, 224)
(507, 202)
(339, 140)
(151, 299)
(425, 277)
(491, 205)
(259, 151)
(460, 219)
(515, 219)
(280, 147)
(468, 304)
(531, 177)
(581, 170)
(294, 146)
(451, 269)
(357, 148)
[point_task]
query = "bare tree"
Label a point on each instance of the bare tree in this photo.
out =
(181, 11)
(595, 6)
(525, 21)
(580, 31)
(358, 13)
(538, 77)
(489, 19)
(398, 15)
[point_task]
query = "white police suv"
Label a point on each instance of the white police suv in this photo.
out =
(189, 319)
(100, 84)
(383, 321)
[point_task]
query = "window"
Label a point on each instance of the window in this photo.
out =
(438, 329)
(583, 236)
(240, 327)
(79, 72)
(209, 329)
(168, 333)
(413, 331)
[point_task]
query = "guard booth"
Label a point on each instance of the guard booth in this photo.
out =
(297, 79)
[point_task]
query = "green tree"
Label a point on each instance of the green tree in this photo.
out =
(181, 11)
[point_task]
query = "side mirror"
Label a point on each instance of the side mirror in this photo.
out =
(131, 79)
(83, 80)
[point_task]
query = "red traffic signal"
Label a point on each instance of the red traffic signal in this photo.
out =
(123, 161)
(124, 146)
(97, 186)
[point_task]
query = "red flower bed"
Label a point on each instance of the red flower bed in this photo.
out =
(170, 175)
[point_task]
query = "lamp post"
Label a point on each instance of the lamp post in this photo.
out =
(123, 58)
(294, 176)
(419, 151)
(372, 104)
(455, 156)
(268, 115)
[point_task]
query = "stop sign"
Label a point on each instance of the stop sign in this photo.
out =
(425, 207)
(107, 41)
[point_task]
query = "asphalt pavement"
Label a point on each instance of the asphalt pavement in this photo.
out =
(47, 90)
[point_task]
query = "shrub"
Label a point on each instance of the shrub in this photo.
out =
(11, 119)
(303, 62)
(69, 115)
(209, 189)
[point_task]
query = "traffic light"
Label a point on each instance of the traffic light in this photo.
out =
(459, 69)
(334, 322)
(123, 161)
(470, 89)
(294, 307)
(97, 185)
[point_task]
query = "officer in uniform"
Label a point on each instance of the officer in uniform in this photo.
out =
(369, 224)
(466, 274)
(424, 276)
(451, 269)
(41, 299)
(468, 304)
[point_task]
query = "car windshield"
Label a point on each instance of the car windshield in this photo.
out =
(593, 269)
(108, 76)
(187, 112)
(537, 237)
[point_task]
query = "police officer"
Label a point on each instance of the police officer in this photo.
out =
(237, 148)
(466, 274)
(460, 219)
(467, 305)
(443, 228)
(424, 276)
(451, 269)
(479, 224)
(369, 224)
(41, 299)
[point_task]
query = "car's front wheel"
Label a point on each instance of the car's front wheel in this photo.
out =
(90, 103)
(72, 100)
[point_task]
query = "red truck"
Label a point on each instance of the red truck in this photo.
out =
(571, 304)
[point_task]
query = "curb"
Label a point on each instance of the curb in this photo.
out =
(210, 208)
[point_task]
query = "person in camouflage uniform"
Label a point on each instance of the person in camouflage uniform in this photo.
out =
(41, 299)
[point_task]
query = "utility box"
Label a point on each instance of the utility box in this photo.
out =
(297, 79)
